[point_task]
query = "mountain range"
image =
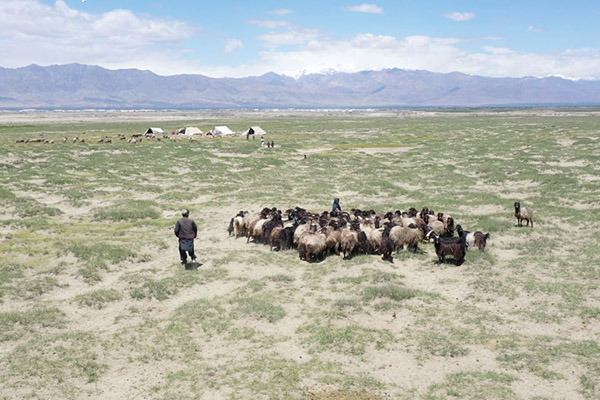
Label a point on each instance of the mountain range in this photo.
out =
(76, 86)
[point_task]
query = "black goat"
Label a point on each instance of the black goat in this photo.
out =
(387, 245)
(455, 247)
(230, 227)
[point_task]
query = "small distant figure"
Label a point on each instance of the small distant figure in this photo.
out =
(262, 141)
(272, 143)
(305, 156)
(336, 205)
(186, 230)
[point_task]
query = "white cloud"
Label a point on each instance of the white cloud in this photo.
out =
(231, 45)
(271, 23)
(458, 16)
(366, 8)
(33, 32)
(531, 28)
(368, 51)
(493, 38)
(281, 11)
(289, 37)
(496, 50)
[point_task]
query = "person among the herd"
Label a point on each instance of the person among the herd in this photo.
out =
(186, 230)
(336, 205)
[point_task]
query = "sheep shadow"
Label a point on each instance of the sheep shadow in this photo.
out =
(450, 261)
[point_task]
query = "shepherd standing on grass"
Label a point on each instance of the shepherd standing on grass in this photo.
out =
(186, 230)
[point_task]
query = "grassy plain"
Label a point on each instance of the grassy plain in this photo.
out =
(94, 303)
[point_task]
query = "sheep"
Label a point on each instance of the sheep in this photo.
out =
(406, 237)
(282, 236)
(333, 238)
(275, 238)
(268, 226)
(363, 243)
(478, 238)
(448, 223)
(286, 238)
(302, 228)
(255, 231)
(374, 235)
(311, 245)
(435, 225)
(523, 214)
(238, 224)
(349, 242)
(250, 221)
(455, 247)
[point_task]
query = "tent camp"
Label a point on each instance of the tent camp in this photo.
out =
(222, 131)
(156, 131)
(255, 130)
(190, 130)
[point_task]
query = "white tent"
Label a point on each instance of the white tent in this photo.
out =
(155, 131)
(222, 131)
(190, 130)
(255, 130)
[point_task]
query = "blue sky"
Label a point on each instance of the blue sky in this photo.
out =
(240, 38)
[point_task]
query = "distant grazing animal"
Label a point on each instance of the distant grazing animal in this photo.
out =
(523, 214)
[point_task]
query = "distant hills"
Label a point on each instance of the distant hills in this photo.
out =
(76, 86)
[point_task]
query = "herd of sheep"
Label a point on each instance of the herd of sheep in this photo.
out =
(134, 138)
(361, 232)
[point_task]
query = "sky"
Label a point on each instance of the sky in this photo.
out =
(242, 38)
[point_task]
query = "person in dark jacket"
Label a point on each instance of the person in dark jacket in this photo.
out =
(186, 230)
(336, 205)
